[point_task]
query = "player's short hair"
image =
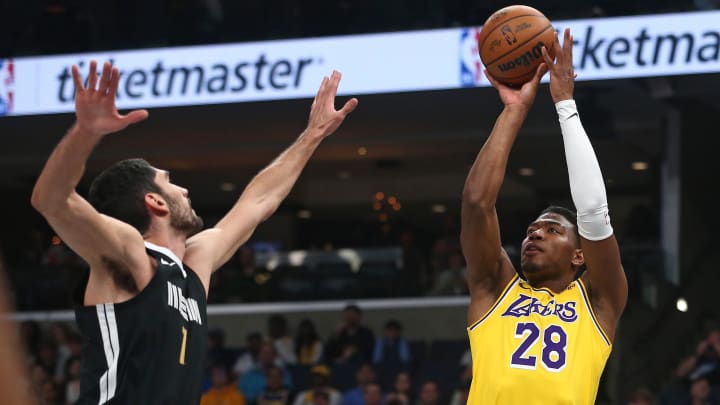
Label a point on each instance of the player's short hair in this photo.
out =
(119, 191)
(566, 213)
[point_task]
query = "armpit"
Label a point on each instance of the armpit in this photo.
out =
(120, 274)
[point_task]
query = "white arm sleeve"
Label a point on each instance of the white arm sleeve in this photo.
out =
(586, 182)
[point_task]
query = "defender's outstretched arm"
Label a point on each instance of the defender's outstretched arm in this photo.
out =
(210, 249)
(95, 237)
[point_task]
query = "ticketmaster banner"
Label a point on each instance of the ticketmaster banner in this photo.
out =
(610, 48)
(624, 47)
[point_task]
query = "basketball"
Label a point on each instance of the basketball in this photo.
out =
(510, 43)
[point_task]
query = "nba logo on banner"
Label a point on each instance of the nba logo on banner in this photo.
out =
(470, 64)
(7, 80)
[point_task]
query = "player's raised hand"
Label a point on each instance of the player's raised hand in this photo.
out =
(525, 95)
(95, 103)
(324, 118)
(562, 75)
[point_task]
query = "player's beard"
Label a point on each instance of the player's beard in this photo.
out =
(183, 218)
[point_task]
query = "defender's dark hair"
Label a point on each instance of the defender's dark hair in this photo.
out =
(567, 213)
(119, 191)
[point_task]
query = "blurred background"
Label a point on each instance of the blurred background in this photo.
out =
(374, 218)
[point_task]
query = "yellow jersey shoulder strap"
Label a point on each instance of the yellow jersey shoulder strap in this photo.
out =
(588, 305)
(499, 300)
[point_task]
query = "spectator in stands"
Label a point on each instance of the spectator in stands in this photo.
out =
(364, 376)
(451, 280)
(393, 348)
(72, 378)
(429, 394)
(48, 356)
(641, 396)
(275, 392)
(403, 385)
(74, 343)
(279, 335)
(222, 391)
(49, 394)
(60, 332)
(705, 362)
(254, 381)
(31, 336)
(372, 394)
(700, 393)
(38, 376)
(43, 385)
(353, 340)
(217, 352)
(249, 359)
(240, 277)
(401, 393)
(460, 395)
(321, 398)
(396, 399)
(440, 254)
(414, 273)
(308, 346)
(466, 359)
(320, 374)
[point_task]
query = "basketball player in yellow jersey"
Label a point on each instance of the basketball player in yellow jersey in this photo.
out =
(542, 338)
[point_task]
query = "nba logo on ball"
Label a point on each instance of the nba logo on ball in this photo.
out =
(7, 80)
(470, 63)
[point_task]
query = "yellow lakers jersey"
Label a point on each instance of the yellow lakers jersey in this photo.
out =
(537, 347)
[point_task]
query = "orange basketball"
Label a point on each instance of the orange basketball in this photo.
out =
(510, 43)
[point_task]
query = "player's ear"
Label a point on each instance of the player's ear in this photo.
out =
(578, 258)
(156, 204)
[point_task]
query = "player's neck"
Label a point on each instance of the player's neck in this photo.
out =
(555, 285)
(168, 238)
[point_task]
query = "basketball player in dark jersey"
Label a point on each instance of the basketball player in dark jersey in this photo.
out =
(143, 308)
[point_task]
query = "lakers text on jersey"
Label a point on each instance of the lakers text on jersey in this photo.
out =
(535, 346)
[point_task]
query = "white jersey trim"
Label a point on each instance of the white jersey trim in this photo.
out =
(111, 346)
(167, 252)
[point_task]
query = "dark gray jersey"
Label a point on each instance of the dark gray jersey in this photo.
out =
(150, 349)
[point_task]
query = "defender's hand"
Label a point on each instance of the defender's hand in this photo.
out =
(95, 104)
(324, 118)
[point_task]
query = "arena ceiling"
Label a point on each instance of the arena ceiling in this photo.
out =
(419, 145)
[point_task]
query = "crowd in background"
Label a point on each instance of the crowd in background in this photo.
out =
(354, 365)
(44, 272)
(694, 381)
